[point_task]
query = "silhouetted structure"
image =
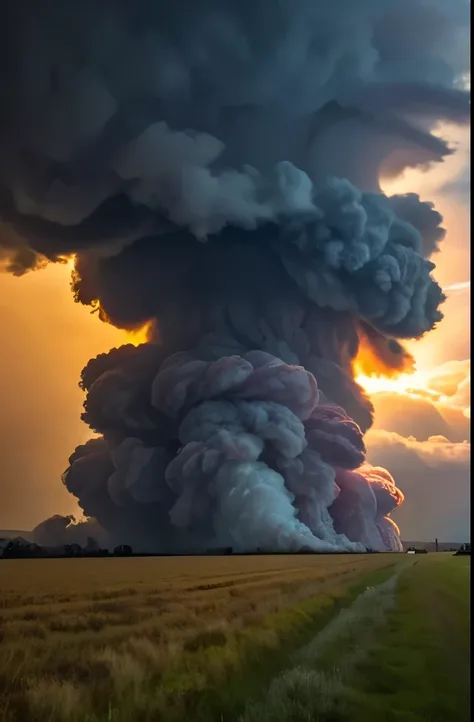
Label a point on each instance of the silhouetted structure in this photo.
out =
(413, 550)
(430, 546)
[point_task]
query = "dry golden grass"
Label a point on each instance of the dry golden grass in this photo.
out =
(135, 639)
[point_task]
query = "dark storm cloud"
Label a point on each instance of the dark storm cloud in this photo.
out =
(215, 165)
(99, 99)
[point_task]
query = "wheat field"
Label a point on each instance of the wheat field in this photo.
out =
(149, 639)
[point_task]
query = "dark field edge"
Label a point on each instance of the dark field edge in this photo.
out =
(247, 661)
(142, 555)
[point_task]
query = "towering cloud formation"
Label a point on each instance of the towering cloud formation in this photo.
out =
(215, 167)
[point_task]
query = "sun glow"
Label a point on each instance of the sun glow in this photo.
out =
(380, 367)
(443, 386)
(139, 335)
(408, 384)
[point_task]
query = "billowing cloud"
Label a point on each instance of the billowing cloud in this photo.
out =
(419, 417)
(60, 530)
(138, 113)
(452, 381)
(216, 168)
(434, 475)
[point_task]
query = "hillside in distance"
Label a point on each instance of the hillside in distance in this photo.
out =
(15, 533)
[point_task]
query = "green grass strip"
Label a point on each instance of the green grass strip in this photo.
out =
(419, 670)
(217, 674)
(242, 668)
(313, 685)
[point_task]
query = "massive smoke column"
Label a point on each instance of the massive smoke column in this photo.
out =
(215, 167)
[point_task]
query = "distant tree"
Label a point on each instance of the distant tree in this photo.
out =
(91, 546)
(123, 550)
(72, 550)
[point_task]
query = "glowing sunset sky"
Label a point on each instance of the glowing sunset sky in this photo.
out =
(421, 426)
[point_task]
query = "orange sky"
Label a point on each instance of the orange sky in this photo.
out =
(46, 339)
(451, 339)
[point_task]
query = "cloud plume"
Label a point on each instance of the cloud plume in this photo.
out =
(215, 168)
(433, 474)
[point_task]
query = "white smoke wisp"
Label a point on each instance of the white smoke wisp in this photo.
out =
(215, 168)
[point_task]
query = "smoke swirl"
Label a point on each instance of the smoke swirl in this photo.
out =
(215, 168)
